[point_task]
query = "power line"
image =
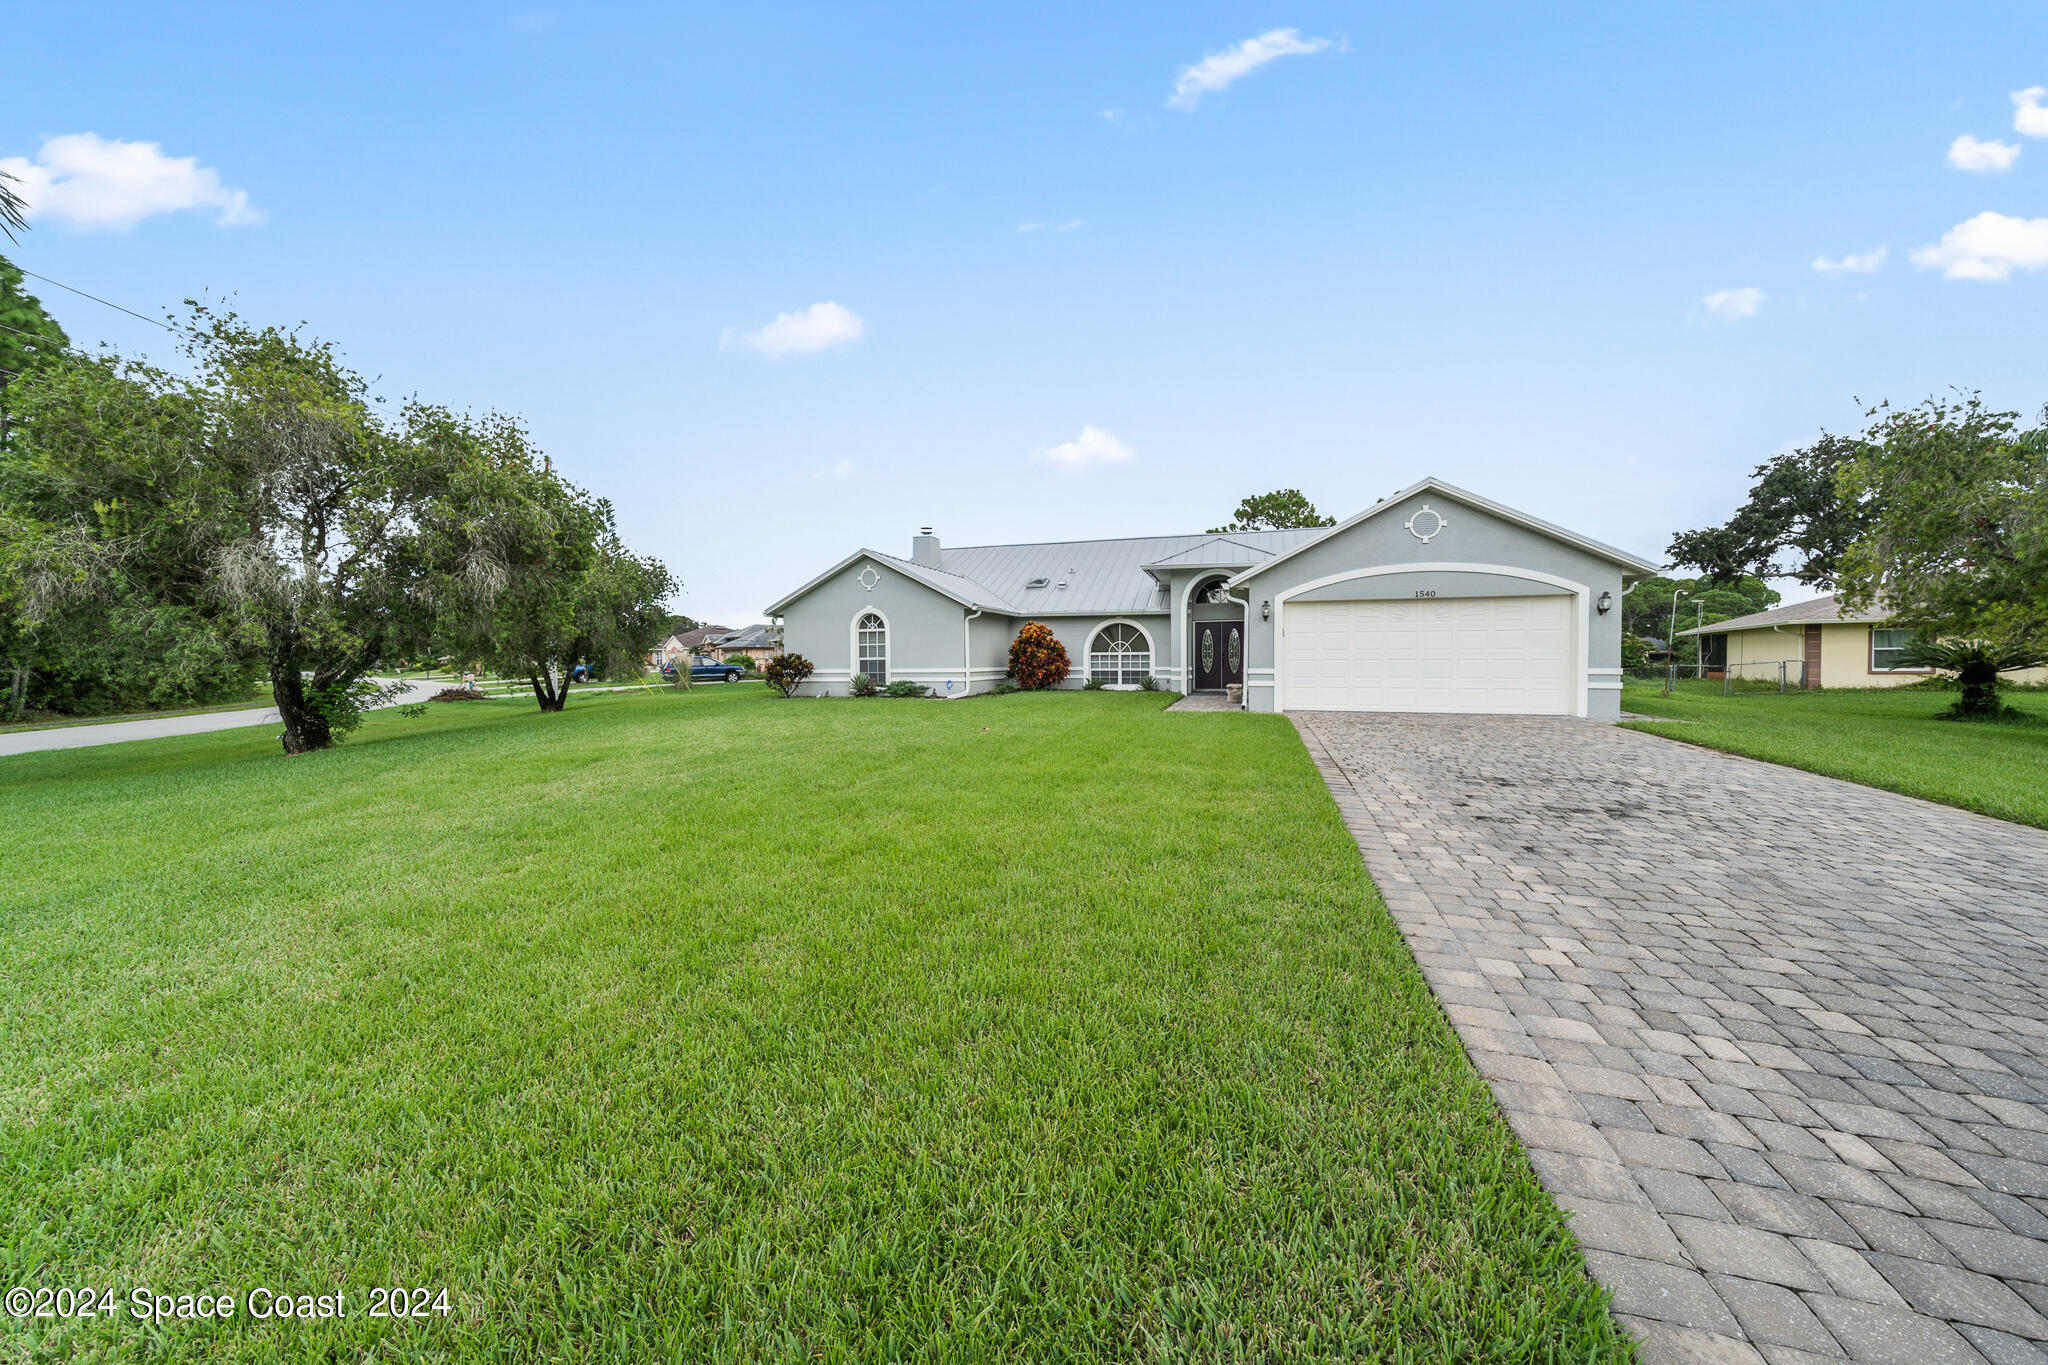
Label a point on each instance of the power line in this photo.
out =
(154, 322)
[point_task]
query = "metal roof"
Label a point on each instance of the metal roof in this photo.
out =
(1110, 578)
(1816, 612)
(1100, 577)
(1218, 552)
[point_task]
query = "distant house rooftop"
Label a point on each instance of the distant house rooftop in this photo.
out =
(1820, 611)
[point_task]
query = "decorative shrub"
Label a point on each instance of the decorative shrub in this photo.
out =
(1094, 684)
(903, 687)
(786, 673)
(1149, 683)
(861, 685)
(1037, 658)
(1004, 687)
(1975, 666)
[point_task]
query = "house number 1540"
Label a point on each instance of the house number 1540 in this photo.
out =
(1425, 592)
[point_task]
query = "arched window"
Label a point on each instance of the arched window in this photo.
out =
(1119, 654)
(871, 648)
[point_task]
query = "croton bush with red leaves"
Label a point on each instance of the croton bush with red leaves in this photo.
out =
(1037, 658)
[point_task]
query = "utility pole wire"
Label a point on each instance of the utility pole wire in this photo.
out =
(154, 322)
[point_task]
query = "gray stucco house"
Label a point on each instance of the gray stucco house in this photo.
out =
(1435, 599)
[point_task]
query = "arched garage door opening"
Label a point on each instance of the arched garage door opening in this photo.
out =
(1468, 655)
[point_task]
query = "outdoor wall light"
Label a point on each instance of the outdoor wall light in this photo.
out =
(1605, 604)
(1266, 610)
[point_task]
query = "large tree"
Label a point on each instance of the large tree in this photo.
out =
(109, 514)
(1956, 540)
(1280, 510)
(540, 581)
(29, 336)
(1796, 523)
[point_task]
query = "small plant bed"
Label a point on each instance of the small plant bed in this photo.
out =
(1002, 1052)
(1899, 739)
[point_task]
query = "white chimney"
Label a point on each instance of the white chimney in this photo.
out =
(924, 548)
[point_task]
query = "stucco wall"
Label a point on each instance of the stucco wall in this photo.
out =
(927, 630)
(1844, 656)
(1076, 632)
(1469, 536)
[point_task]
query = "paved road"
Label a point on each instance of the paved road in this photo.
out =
(120, 731)
(1779, 1042)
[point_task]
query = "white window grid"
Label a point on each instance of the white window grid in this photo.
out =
(1119, 655)
(873, 652)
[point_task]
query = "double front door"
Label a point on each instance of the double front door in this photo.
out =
(1219, 655)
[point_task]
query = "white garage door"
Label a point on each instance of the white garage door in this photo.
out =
(1500, 655)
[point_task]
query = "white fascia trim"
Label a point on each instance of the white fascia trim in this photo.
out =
(1597, 671)
(1611, 685)
(1580, 693)
(1432, 484)
(881, 561)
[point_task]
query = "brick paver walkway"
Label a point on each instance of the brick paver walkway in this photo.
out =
(1779, 1042)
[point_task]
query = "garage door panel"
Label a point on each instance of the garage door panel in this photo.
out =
(1507, 655)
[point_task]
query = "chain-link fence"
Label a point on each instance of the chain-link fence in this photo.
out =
(1769, 677)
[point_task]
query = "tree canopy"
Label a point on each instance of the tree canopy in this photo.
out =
(1796, 523)
(1646, 607)
(1280, 510)
(182, 532)
(29, 336)
(1955, 543)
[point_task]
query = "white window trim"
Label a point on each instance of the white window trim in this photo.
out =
(1088, 649)
(1870, 651)
(853, 643)
(1578, 686)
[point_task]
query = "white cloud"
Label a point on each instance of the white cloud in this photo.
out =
(840, 469)
(1219, 70)
(2027, 114)
(86, 181)
(1067, 226)
(1851, 263)
(1112, 115)
(1730, 304)
(816, 328)
(1987, 247)
(1030, 227)
(1968, 154)
(1092, 446)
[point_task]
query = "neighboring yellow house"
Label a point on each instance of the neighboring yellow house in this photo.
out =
(1818, 645)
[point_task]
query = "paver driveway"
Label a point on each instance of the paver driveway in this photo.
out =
(1779, 1042)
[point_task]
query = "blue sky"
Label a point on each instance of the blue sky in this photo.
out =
(1472, 241)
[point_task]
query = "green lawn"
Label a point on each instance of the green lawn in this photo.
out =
(1892, 738)
(709, 1026)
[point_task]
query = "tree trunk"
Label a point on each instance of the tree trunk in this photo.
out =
(550, 697)
(17, 694)
(305, 728)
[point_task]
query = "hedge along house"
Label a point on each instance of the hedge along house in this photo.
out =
(1435, 599)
